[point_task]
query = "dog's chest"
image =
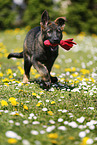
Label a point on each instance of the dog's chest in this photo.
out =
(46, 55)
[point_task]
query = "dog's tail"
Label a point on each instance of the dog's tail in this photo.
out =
(16, 55)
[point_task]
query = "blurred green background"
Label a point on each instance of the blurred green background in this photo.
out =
(81, 14)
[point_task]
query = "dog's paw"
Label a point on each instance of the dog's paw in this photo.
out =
(25, 79)
(54, 79)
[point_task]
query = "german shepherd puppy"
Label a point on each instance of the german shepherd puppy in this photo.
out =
(36, 53)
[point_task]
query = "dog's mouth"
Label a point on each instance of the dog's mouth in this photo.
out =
(53, 46)
(54, 42)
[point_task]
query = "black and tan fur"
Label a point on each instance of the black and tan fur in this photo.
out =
(36, 53)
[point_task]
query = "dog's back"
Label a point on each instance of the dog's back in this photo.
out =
(30, 38)
(28, 43)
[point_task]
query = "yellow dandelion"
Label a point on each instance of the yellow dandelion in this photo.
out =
(73, 69)
(13, 101)
(92, 80)
(71, 138)
(54, 142)
(17, 30)
(67, 69)
(20, 91)
(33, 94)
(1, 55)
(37, 76)
(84, 71)
(18, 82)
(75, 74)
(16, 114)
(94, 35)
(4, 103)
(1, 44)
(50, 112)
(5, 80)
(10, 77)
(6, 84)
(12, 141)
(86, 79)
(62, 79)
(41, 92)
(79, 78)
(25, 107)
(53, 102)
(27, 28)
(15, 109)
(76, 81)
(39, 104)
(9, 71)
(81, 36)
(1, 74)
(57, 66)
(6, 54)
(53, 135)
(84, 141)
(21, 70)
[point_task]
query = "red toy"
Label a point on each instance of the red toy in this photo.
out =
(66, 44)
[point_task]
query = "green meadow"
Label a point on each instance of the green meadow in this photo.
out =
(66, 114)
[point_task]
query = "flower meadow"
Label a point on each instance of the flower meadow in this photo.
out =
(66, 114)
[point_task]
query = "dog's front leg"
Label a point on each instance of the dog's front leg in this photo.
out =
(43, 71)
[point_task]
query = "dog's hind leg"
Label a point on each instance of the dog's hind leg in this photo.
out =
(27, 66)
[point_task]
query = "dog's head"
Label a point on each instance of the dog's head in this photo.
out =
(52, 31)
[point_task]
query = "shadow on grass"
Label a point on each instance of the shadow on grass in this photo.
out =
(58, 85)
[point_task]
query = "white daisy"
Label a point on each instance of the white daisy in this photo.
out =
(25, 122)
(81, 119)
(35, 122)
(82, 134)
(25, 142)
(60, 120)
(44, 109)
(50, 128)
(11, 134)
(62, 128)
(73, 124)
(89, 141)
(34, 132)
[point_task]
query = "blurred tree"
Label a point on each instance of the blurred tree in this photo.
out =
(82, 16)
(19, 7)
(6, 14)
(35, 8)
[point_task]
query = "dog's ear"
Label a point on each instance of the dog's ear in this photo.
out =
(60, 21)
(45, 19)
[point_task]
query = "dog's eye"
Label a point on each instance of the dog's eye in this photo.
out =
(48, 31)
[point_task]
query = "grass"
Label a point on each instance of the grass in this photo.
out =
(64, 114)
